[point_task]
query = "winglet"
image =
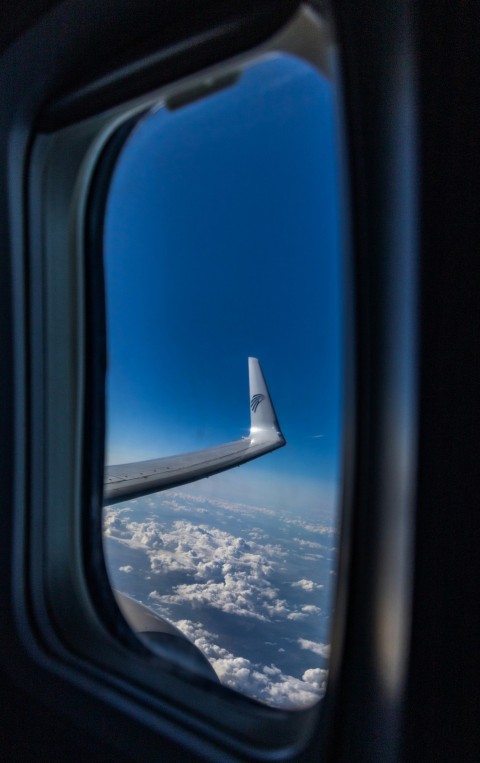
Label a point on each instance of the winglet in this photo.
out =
(263, 419)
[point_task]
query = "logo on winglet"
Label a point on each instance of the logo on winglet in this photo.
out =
(255, 401)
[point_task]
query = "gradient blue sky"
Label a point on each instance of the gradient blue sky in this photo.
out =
(222, 240)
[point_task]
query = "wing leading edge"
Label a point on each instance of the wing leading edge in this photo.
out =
(126, 481)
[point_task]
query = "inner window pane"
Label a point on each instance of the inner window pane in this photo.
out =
(222, 241)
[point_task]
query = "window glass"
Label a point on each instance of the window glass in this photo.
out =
(222, 241)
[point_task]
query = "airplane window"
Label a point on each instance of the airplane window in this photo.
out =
(222, 244)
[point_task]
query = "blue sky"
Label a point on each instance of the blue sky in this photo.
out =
(222, 240)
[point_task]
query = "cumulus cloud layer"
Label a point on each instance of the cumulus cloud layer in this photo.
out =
(231, 573)
(236, 574)
(266, 683)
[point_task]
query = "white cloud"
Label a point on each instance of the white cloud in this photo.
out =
(317, 677)
(181, 506)
(304, 612)
(311, 609)
(307, 585)
(230, 573)
(297, 616)
(266, 683)
(236, 507)
(309, 543)
(115, 523)
(310, 527)
(237, 593)
(127, 568)
(313, 646)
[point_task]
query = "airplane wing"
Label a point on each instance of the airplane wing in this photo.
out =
(126, 481)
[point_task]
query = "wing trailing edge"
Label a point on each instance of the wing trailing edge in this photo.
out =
(127, 481)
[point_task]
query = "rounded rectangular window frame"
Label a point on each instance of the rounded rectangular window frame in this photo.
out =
(67, 183)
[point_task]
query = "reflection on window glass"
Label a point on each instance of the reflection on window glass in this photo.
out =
(222, 241)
